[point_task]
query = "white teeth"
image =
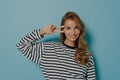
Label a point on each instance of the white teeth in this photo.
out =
(73, 37)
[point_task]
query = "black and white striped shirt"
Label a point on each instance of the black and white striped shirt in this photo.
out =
(56, 59)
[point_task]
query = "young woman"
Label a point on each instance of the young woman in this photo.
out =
(65, 60)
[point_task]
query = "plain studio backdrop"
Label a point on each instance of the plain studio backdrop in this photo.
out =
(20, 17)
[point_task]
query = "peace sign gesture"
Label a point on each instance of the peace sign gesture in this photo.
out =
(50, 29)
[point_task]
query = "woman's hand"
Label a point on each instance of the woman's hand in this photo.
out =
(50, 29)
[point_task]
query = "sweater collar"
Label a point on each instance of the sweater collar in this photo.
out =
(72, 47)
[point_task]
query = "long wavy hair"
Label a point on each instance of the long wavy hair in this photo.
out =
(81, 54)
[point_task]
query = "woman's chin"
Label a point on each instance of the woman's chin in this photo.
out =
(73, 40)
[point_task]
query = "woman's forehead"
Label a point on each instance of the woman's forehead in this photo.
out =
(70, 23)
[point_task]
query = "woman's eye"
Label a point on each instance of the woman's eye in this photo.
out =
(67, 28)
(77, 28)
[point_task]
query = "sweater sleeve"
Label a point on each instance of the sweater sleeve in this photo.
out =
(91, 70)
(29, 46)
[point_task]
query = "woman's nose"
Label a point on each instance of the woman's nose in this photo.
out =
(72, 31)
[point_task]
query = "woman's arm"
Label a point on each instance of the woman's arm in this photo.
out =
(91, 70)
(30, 48)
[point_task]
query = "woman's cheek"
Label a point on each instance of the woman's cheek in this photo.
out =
(77, 31)
(67, 32)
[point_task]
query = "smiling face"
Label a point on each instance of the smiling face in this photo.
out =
(73, 35)
(71, 31)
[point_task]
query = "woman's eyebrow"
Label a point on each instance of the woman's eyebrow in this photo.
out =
(76, 26)
(67, 26)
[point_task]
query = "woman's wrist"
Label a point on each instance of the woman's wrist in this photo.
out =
(41, 33)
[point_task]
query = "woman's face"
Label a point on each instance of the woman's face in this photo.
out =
(71, 30)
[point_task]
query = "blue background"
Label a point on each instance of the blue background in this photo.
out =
(19, 17)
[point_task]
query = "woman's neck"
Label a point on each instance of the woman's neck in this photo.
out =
(69, 43)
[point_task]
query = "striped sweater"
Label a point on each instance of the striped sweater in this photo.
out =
(56, 59)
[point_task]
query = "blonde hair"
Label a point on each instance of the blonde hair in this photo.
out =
(81, 54)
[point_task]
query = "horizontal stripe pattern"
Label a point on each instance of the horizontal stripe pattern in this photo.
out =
(55, 59)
